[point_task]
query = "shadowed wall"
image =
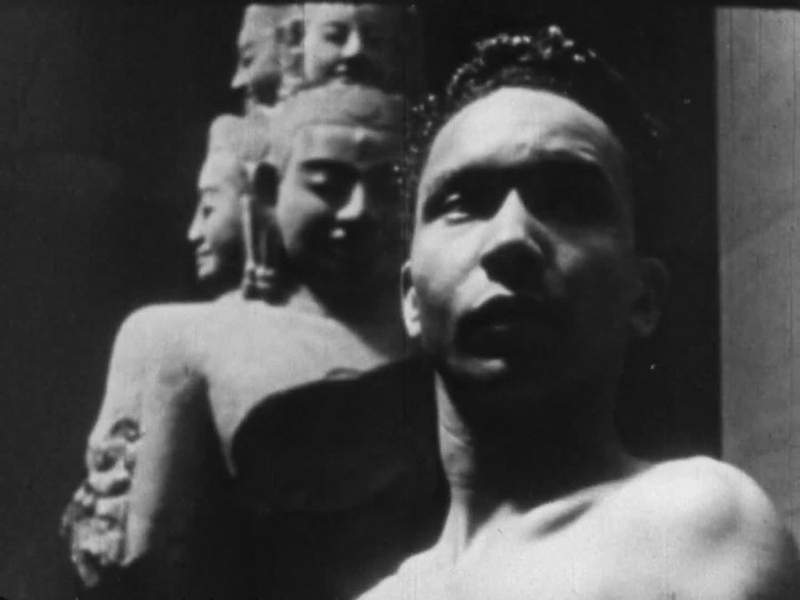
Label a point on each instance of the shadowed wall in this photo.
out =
(758, 71)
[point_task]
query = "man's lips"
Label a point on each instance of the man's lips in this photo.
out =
(203, 256)
(507, 325)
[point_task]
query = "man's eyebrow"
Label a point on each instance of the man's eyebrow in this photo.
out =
(333, 22)
(323, 164)
(581, 165)
(212, 188)
(448, 176)
(576, 166)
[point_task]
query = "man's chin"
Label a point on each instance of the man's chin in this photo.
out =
(493, 371)
(206, 273)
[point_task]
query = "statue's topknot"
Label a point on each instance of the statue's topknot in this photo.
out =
(335, 103)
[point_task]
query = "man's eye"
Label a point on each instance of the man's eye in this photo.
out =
(575, 202)
(206, 211)
(335, 33)
(327, 185)
(458, 205)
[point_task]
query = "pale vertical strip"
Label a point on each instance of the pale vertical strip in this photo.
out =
(759, 208)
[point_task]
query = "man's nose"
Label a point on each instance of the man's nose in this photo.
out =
(354, 46)
(194, 233)
(515, 246)
(355, 205)
(239, 78)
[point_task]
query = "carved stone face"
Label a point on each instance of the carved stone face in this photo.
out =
(216, 229)
(338, 207)
(355, 42)
(259, 45)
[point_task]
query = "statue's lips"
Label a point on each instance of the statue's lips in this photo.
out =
(510, 325)
(358, 245)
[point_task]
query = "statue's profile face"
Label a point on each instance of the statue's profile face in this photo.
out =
(355, 42)
(338, 205)
(258, 71)
(216, 229)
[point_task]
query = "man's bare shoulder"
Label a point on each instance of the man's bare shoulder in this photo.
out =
(419, 576)
(702, 495)
(705, 525)
(692, 528)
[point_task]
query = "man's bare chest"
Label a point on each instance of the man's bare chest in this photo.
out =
(592, 559)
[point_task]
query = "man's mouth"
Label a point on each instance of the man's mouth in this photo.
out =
(355, 71)
(510, 325)
(201, 256)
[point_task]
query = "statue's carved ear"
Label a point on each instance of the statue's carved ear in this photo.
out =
(293, 33)
(265, 181)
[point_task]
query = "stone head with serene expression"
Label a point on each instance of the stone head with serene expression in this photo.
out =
(216, 230)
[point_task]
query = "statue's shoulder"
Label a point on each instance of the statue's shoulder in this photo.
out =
(153, 331)
(712, 526)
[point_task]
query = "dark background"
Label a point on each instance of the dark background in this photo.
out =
(103, 115)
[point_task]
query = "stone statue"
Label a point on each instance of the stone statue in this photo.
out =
(221, 230)
(284, 46)
(95, 519)
(260, 42)
(184, 377)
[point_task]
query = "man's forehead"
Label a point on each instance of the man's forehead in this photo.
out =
(517, 126)
(321, 13)
(254, 38)
(359, 147)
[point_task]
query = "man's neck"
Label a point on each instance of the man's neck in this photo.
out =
(533, 454)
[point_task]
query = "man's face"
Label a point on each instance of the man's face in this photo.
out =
(338, 208)
(522, 267)
(216, 229)
(358, 42)
(258, 69)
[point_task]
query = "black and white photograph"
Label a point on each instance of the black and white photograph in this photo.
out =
(400, 300)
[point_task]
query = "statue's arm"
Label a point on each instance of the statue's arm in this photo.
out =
(94, 520)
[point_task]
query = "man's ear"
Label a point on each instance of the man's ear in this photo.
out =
(653, 284)
(410, 303)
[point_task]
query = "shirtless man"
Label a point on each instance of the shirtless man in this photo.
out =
(283, 46)
(183, 377)
(524, 285)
